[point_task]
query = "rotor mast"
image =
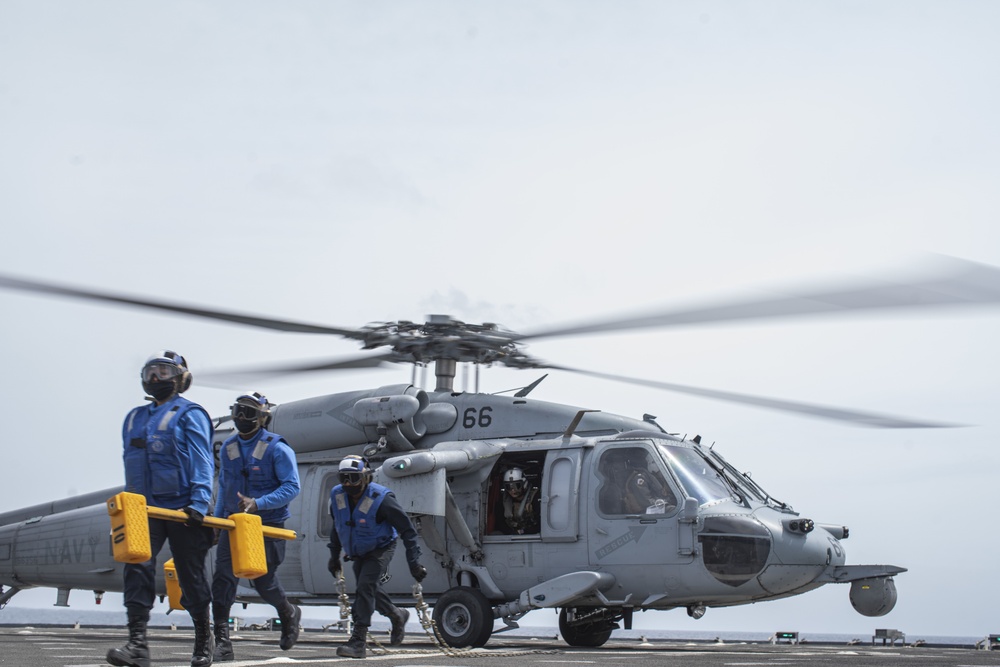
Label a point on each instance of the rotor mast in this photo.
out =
(444, 373)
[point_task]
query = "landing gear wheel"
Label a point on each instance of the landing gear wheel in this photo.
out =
(464, 617)
(589, 635)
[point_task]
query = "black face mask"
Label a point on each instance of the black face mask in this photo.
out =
(160, 390)
(245, 426)
(356, 492)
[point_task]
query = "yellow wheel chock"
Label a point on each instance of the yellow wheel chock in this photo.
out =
(173, 586)
(130, 533)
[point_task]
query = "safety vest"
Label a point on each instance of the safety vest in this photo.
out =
(155, 463)
(253, 477)
(358, 531)
(519, 513)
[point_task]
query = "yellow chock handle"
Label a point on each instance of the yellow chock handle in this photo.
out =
(130, 533)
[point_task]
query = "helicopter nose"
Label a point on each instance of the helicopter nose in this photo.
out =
(798, 557)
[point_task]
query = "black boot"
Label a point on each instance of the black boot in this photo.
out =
(204, 643)
(136, 652)
(399, 620)
(223, 645)
(355, 646)
(290, 616)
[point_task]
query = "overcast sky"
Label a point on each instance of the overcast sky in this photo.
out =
(527, 163)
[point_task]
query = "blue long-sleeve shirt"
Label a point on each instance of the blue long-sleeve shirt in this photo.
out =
(195, 429)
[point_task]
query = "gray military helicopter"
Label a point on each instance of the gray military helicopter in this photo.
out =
(625, 516)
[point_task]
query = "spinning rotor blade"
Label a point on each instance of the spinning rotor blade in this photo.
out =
(868, 419)
(224, 377)
(237, 318)
(963, 284)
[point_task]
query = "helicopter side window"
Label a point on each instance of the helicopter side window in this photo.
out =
(613, 470)
(632, 484)
(652, 489)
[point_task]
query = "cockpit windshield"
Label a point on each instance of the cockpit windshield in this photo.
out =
(699, 478)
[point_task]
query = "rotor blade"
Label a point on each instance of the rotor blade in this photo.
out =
(963, 284)
(237, 318)
(222, 377)
(855, 417)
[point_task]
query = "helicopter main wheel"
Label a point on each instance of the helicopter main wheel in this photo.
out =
(464, 617)
(588, 635)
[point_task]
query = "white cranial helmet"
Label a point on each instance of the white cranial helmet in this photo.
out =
(514, 480)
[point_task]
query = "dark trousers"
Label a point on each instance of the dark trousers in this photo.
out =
(224, 581)
(189, 547)
(368, 572)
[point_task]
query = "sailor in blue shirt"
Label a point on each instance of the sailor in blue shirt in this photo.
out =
(367, 519)
(258, 474)
(167, 451)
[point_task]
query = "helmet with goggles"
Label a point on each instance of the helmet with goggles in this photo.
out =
(354, 470)
(250, 412)
(164, 374)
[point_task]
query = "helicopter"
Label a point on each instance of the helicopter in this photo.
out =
(628, 516)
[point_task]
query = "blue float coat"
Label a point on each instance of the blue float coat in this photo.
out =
(167, 452)
(263, 468)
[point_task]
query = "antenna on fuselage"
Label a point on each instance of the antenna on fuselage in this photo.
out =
(576, 422)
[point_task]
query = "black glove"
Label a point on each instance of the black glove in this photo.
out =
(418, 572)
(334, 567)
(195, 518)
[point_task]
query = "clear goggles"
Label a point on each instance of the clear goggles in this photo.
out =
(159, 371)
(351, 478)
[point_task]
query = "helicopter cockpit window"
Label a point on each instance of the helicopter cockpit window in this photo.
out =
(699, 479)
(633, 483)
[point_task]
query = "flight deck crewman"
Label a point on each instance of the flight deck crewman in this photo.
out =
(366, 520)
(167, 451)
(258, 473)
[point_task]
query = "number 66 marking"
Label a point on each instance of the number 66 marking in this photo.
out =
(480, 417)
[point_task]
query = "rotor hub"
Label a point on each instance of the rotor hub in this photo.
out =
(445, 338)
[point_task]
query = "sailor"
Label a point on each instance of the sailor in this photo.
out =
(367, 518)
(167, 450)
(258, 474)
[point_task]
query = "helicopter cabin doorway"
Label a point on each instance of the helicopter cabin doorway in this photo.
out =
(514, 495)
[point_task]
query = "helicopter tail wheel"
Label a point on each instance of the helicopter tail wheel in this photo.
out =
(587, 634)
(464, 617)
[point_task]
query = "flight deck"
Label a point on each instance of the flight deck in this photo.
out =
(49, 646)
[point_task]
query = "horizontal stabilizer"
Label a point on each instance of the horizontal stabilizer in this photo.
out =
(845, 573)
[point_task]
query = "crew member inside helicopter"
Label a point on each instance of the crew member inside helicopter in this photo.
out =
(520, 516)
